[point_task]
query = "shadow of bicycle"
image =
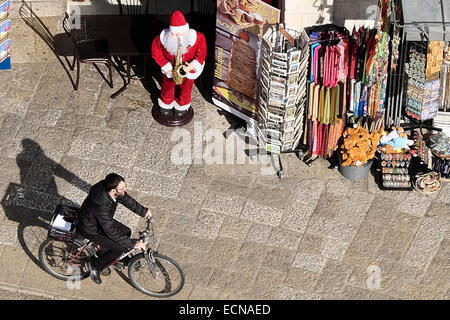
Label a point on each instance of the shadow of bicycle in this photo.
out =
(32, 202)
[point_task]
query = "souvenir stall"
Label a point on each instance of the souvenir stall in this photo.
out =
(417, 90)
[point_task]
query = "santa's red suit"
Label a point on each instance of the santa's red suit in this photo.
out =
(164, 50)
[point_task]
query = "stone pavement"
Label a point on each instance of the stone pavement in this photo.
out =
(237, 230)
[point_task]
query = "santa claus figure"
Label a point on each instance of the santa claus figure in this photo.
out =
(193, 54)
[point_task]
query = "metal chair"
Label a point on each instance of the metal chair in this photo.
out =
(92, 51)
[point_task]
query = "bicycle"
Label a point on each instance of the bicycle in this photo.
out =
(64, 254)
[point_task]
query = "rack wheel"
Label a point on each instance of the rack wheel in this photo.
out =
(280, 174)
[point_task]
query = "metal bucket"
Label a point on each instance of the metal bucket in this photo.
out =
(355, 173)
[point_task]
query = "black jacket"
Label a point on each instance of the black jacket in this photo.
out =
(97, 213)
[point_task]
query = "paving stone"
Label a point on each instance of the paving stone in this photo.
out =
(426, 240)
(368, 239)
(179, 224)
(288, 293)
(416, 204)
(159, 186)
(438, 271)
(310, 262)
(250, 257)
(9, 126)
(193, 191)
(135, 127)
(8, 234)
(335, 249)
(302, 279)
(331, 228)
(232, 281)
(406, 221)
(256, 212)
(360, 275)
(34, 277)
(439, 210)
(225, 252)
(275, 197)
(196, 274)
(224, 203)
(164, 205)
(235, 228)
(355, 208)
(202, 293)
(258, 233)
(328, 206)
(444, 194)
(351, 293)
(297, 218)
(12, 271)
(395, 244)
(382, 211)
(279, 260)
(312, 244)
(207, 225)
(284, 239)
(333, 278)
(336, 186)
(268, 284)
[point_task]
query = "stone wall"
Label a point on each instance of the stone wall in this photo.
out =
(348, 13)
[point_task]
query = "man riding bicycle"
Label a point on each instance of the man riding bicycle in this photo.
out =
(97, 222)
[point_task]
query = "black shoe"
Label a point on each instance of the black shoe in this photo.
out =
(180, 113)
(94, 273)
(166, 112)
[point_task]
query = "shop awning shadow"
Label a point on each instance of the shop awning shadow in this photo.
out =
(31, 202)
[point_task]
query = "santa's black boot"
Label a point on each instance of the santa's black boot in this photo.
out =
(180, 113)
(166, 112)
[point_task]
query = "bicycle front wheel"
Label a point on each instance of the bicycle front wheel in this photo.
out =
(162, 278)
(62, 260)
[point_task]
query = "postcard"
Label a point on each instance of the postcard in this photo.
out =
(279, 64)
(293, 68)
(295, 57)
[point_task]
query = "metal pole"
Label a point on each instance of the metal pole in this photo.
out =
(400, 102)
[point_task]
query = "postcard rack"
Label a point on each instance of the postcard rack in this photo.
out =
(282, 90)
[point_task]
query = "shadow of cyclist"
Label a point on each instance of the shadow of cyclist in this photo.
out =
(32, 202)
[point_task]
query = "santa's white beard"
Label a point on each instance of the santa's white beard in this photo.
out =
(171, 44)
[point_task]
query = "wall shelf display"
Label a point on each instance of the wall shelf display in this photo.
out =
(423, 98)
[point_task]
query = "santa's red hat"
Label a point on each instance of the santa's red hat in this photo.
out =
(178, 23)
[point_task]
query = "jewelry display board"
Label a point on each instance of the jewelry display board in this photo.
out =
(395, 171)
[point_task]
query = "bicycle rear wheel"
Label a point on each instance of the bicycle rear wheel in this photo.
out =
(162, 278)
(62, 260)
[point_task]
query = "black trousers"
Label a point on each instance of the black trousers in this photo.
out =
(109, 250)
